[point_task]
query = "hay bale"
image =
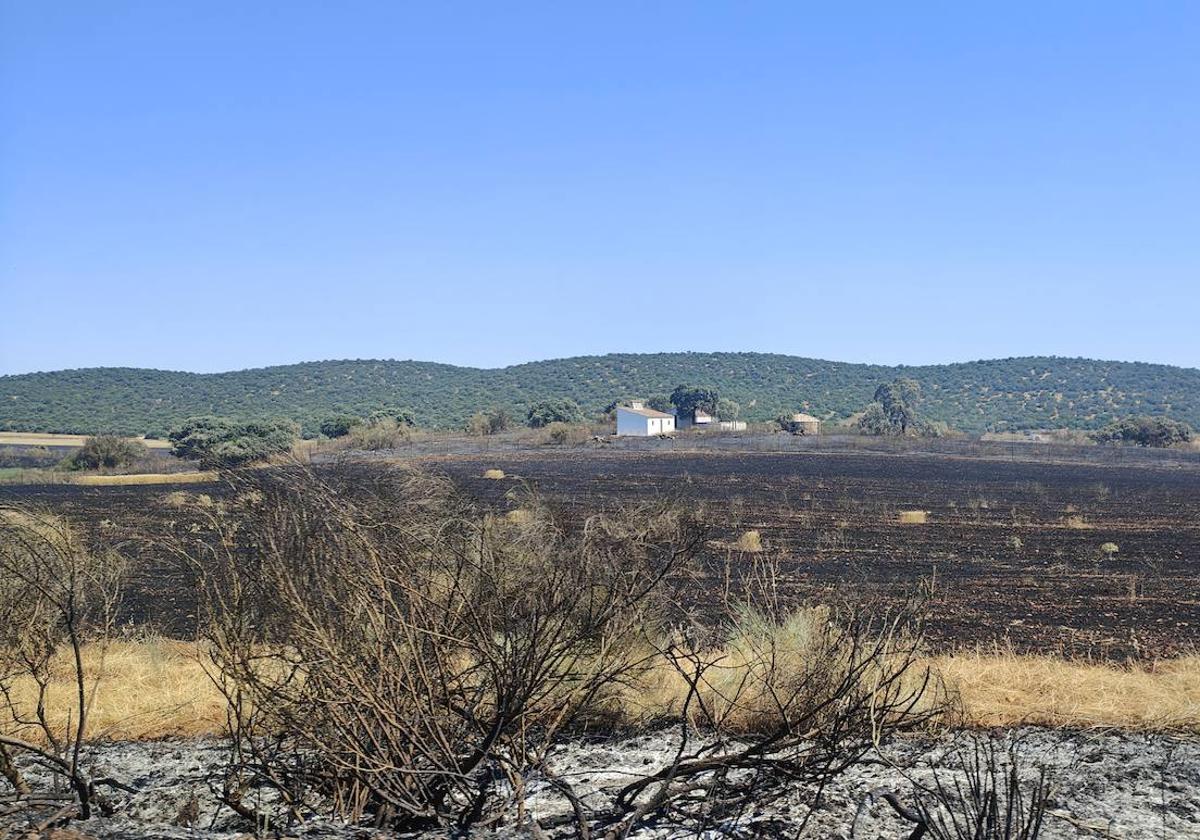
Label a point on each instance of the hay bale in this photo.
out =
(493, 474)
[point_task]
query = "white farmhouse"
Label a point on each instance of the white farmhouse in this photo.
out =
(637, 421)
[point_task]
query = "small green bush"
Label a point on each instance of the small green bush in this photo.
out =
(339, 425)
(106, 452)
(218, 442)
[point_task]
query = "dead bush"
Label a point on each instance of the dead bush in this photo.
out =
(55, 596)
(390, 653)
(786, 701)
(984, 791)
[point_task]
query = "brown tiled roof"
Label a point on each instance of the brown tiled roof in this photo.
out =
(644, 412)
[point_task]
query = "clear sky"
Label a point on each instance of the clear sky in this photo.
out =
(215, 185)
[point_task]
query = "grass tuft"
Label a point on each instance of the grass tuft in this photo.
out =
(750, 542)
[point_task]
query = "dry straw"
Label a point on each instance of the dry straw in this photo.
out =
(156, 688)
(145, 478)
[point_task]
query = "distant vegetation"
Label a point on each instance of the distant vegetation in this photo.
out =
(490, 422)
(895, 411)
(339, 426)
(106, 452)
(1004, 394)
(1145, 431)
(220, 442)
(561, 410)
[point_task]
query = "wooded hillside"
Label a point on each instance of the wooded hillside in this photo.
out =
(1029, 392)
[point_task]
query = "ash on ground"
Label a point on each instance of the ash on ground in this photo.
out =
(1104, 785)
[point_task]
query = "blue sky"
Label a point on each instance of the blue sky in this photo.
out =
(216, 185)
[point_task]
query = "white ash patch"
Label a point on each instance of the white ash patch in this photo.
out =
(1115, 785)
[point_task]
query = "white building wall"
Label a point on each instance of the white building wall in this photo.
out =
(638, 425)
(629, 423)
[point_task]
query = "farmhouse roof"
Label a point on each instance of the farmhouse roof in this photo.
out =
(644, 412)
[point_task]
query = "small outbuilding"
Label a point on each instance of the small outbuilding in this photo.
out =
(805, 424)
(635, 420)
(698, 418)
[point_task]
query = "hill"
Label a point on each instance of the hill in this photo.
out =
(1033, 392)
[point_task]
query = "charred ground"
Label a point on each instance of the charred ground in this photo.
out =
(1012, 551)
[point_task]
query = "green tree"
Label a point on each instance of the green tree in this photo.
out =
(727, 409)
(894, 411)
(339, 425)
(659, 402)
(402, 416)
(218, 442)
(559, 410)
(1158, 432)
(899, 400)
(689, 399)
(106, 452)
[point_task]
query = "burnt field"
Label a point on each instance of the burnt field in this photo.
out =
(1014, 552)
(1011, 551)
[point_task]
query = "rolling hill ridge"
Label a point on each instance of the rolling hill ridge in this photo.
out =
(1028, 392)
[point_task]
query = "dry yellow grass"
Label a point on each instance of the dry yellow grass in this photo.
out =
(750, 542)
(1008, 690)
(493, 474)
(913, 517)
(155, 689)
(143, 690)
(145, 478)
(38, 439)
(182, 498)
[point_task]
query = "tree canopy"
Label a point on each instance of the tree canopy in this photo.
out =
(1157, 432)
(106, 452)
(220, 442)
(559, 410)
(688, 399)
(894, 411)
(339, 425)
